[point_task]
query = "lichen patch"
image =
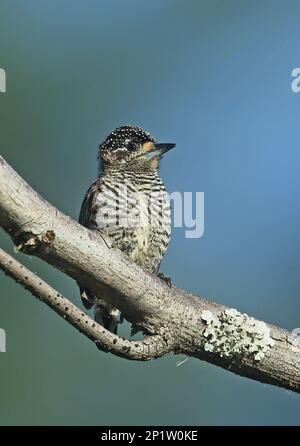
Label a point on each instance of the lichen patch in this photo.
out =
(233, 334)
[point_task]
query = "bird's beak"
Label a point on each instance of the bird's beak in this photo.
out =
(158, 149)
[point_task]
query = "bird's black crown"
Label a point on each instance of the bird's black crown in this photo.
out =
(131, 132)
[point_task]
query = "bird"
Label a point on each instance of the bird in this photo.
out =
(128, 202)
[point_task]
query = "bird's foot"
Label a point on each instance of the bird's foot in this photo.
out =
(108, 241)
(166, 279)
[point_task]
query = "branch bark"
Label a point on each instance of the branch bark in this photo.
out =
(151, 347)
(173, 319)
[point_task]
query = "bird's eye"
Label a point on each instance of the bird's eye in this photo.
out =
(132, 146)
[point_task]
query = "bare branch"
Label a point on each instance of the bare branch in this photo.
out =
(186, 323)
(150, 348)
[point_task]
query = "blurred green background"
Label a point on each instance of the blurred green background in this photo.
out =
(214, 77)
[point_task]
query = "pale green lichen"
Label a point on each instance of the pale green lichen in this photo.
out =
(231, 333)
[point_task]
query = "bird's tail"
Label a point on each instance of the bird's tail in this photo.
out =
(107, 316)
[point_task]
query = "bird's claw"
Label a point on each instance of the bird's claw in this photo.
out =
(166, 279)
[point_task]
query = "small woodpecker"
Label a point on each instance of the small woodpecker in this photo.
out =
(129, 203)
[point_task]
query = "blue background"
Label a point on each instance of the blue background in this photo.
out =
(214, 77)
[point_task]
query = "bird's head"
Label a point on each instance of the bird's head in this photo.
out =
(133, 148)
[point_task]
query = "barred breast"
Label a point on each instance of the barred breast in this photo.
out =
(133, 209)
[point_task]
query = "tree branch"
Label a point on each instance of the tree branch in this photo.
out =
(150, 348)
(173, 319)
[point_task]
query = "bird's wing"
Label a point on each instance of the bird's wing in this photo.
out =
(105, 314)
(88, 204)
(86, 212)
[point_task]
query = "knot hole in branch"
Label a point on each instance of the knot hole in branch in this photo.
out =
(29, 243)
